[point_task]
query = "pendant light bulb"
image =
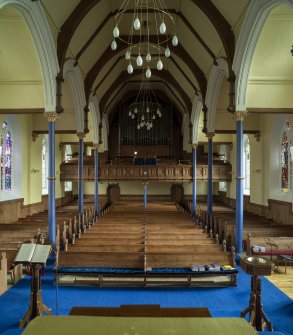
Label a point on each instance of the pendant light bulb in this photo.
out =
(148, 57)
(139, 60)
(163, 28)
(136, 24)
(147, 110)
(129, 113)
(148, 73)
(116, 32)
(114, 45)
(138, 126)
(130, 68)
(160, 65)
(154, 117)
(127, 55)
(142, 117)
(167, 52)
(175, 41)
(135, 111)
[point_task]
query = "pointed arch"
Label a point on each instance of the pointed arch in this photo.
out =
(197, 106)
(39, 28)
(95, 112)
(73, 74)
(255, 18)
(219, 71)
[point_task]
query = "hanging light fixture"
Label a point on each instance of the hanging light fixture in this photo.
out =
(146, 108)
(149, 17)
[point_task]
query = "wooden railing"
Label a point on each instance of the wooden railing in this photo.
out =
(69, 172)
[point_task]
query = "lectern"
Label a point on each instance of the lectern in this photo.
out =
(256, 266)
(34, 256)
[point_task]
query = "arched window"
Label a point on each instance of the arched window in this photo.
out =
(286, 166)
(67, 156)
(44, 166)
(6, 158)
(246, 166)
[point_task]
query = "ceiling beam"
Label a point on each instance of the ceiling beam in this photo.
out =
(133, 93)
(222, 26)
(124, 77)
(108, 54)
(122, 57)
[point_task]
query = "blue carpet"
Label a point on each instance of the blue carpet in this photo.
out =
(222, 302)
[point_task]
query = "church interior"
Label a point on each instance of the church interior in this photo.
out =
(146, 157)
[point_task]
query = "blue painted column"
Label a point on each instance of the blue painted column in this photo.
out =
(96, 152)
(51, 181)
(80, 174)
(239, 182)
(145, 185)
(210, 174)
(194, 146)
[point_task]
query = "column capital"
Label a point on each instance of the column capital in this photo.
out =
(194, 145)
(145, 183)
(81, 136)
(239, 116)
(96, 145)
(210, 135)
(51, 116)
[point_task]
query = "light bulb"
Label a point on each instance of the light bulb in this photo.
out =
(142, 117)
(148, 73)
(129, 113)
(154, 117)
(160, 65)
(113, 45)
(135, 111)
(138, 126)
(127, 55)
(141, 124)
(147, 110)
(158, 111)
(167, 52)
(139, 60)
(136, 24)
(132, 116)
(175, 41)
(151, 125)
(148, 57)
(163, 28)
(130, 68)
(116, 32)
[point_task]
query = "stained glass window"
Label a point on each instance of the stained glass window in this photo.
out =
(247, 167)
(285, 162)
(44, 167)
(6, 158)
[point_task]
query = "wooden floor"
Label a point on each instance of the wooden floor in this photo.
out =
(283, 281)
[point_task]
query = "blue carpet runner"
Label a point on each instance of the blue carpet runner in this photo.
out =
(222, 302)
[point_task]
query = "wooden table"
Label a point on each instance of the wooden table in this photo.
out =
(91, 325)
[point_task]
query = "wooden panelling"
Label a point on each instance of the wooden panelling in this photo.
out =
(278, 211)
(12, 210)
(178, 173)
(145, 150)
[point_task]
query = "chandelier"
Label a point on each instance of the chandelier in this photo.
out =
(146, 108)
(149, 36)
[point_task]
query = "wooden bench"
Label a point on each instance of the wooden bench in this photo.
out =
(141, 311)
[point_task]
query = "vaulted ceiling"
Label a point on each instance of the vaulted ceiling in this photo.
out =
(205, 30)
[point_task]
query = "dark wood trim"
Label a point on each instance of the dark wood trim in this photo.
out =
(229, 131)
(109, 54)
(22, 110)
(124, 77)
(61, 144)
(133, 93)
(122, 57)
(223, 28)
(270, 110)
(69, 27)
(36, 133)
(215, 142)
(196, 35)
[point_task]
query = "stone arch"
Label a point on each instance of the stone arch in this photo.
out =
(218, 72)
(197, 106)
(73, 74)
(38, 26)
(255, 18)
(95, 112)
